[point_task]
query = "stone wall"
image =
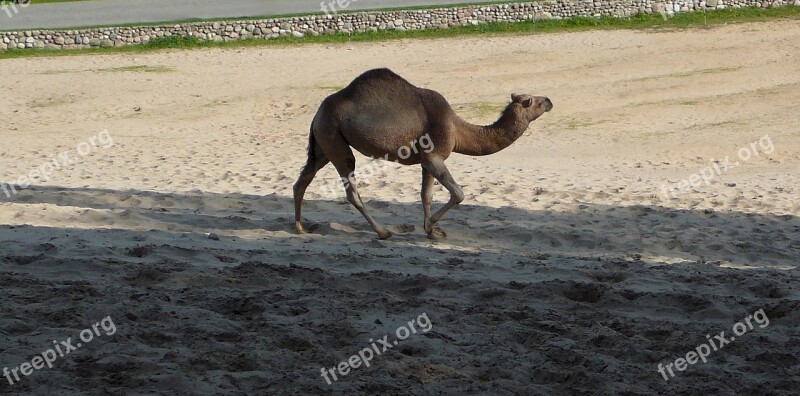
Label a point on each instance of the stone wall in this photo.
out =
(314, 25)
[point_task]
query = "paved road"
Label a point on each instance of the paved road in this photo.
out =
(114, 12)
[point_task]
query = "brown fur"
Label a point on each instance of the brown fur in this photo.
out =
(380, 112)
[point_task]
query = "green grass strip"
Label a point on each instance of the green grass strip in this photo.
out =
(653, 22)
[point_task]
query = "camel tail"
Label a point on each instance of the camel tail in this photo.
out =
(312, 143)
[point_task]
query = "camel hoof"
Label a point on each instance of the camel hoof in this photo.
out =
(384, 234)
(301, 231)
(437, 233)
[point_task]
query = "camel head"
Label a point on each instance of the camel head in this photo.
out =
(532, 106)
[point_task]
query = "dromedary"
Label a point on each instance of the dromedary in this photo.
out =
(382, 115)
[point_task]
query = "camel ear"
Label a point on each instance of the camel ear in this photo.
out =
(514, 98)
(527, 102)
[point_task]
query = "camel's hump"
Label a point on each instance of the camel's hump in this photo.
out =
(382, 74)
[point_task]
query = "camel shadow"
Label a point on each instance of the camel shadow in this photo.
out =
(594, 230)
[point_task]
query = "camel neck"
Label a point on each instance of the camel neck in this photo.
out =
(477, 140)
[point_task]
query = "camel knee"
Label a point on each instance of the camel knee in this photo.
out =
(457, 196)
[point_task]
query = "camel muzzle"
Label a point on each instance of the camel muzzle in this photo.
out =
(548, 104)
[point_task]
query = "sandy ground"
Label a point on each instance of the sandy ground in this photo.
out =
(566, 270)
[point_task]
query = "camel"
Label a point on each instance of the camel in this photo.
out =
(382, 115)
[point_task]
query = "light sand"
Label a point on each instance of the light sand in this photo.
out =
(565, 270)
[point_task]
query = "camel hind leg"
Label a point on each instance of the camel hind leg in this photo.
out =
(316, 161)
(341, 155)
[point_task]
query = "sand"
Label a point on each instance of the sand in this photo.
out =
(567, 269)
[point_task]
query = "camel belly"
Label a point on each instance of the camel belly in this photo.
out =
(407, 148)
(385, 134)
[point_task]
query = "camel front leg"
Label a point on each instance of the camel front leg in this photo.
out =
(439, 171)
